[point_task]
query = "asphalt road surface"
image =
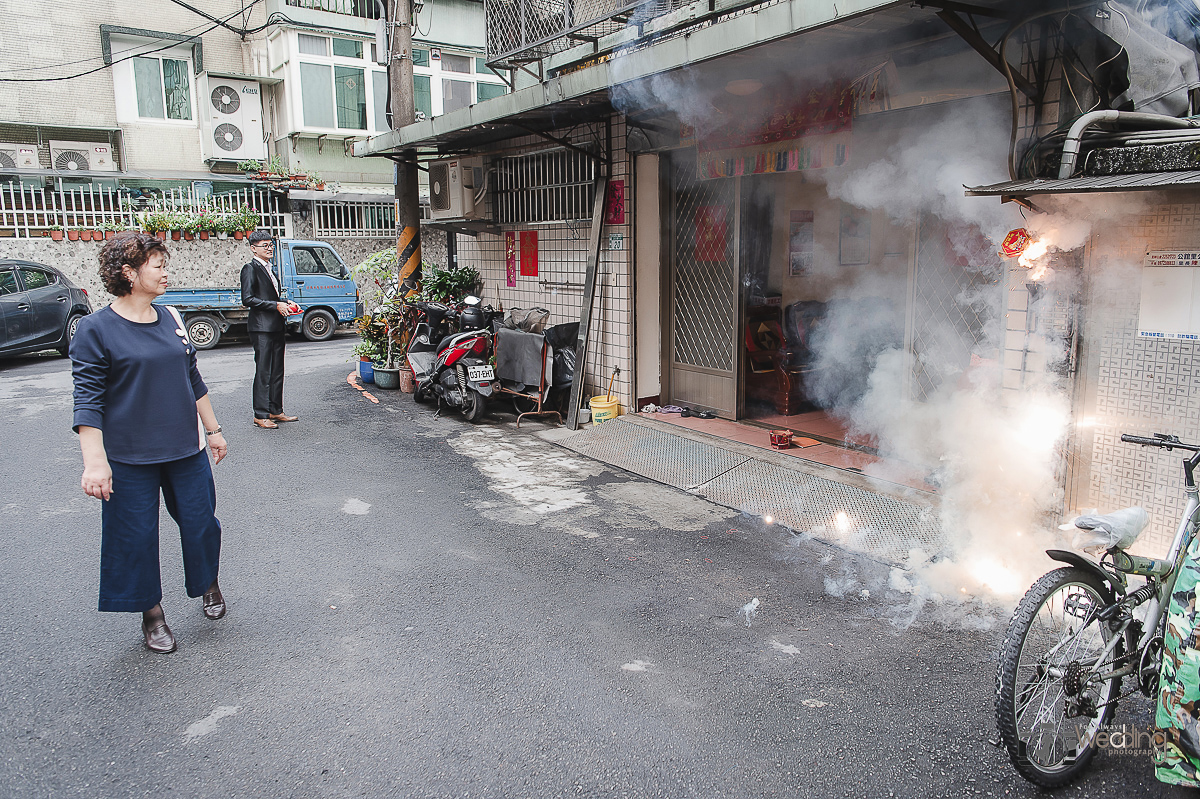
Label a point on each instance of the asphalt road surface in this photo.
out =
(419, 607)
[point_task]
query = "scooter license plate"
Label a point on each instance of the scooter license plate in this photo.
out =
(478, 374)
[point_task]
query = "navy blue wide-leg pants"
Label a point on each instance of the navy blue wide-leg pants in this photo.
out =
(129, 570)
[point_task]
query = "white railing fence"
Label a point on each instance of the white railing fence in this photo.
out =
(28, 211)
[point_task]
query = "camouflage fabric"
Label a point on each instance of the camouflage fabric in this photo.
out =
(1177, 747)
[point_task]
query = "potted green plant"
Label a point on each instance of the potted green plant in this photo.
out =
(111, 229)
(56, 232)
(73, 234)
(250, 166)
(206, 224)
(448, 284)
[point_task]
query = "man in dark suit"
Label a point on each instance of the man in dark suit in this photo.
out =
(266, 324)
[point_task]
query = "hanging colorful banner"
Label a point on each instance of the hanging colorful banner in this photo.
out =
(710, 233)
(510, 259)
(789, 133)
(529, 253)
(614, 206)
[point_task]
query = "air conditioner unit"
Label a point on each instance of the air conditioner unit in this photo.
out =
(452, 186)
(18, 156)
(71, 156)
(232, 117)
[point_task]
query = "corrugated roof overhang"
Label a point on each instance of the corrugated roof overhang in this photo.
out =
(583, 95)
(1145, 181)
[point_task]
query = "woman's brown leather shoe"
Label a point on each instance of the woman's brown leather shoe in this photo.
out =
(214, 602)
(158, 635)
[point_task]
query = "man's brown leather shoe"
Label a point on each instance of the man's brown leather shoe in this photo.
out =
(280, 417)
(214, 602)
(266, 424)
(158, 635)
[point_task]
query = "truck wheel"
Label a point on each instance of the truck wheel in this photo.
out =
(318, 325)
(204, 331)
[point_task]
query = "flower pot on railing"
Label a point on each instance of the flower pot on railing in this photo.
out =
(97, 235)
(188, 235)
(203, 235)
(85, 235)
(72, 235)
(237, 234)
(162, 235)
(108, 235)
(222, 235)
(56, 235)
(176, 235)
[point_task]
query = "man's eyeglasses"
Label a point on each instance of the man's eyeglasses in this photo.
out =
(264, 244)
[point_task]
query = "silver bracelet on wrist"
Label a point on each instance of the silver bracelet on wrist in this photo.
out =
(213, 432)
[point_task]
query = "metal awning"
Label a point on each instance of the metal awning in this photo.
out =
(1145, 181)
(583, 95)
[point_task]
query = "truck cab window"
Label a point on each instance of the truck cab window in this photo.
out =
(306, 262)
(329, 262)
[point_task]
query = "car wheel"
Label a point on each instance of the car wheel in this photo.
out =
(204, 331)
(318, 325)
(69, 333)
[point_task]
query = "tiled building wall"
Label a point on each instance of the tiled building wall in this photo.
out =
(562, 269)
(1139, 386)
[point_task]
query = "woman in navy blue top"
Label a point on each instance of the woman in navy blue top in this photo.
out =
(143, 417)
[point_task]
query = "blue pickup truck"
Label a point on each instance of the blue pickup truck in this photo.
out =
(310, 273)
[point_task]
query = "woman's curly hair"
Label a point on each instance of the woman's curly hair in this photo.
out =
(127, 249)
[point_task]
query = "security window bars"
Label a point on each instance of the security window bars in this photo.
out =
(547, 186)
(956, 299)
(365, 9)
(354, 220)
(164, 89)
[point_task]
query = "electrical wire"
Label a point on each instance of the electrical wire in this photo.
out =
(99, 57)
(102, 67)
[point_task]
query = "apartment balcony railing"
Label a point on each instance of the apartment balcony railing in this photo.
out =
(366, 9)
(27, 212)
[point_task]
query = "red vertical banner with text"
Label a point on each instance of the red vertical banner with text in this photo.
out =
(529, 253)
(510, 259)
(614, 205)
(711, 239)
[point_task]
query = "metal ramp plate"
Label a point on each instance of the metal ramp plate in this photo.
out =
(654, 454)
(850, 517)
(864, 521)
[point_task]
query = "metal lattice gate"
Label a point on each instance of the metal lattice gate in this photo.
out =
(957, 295)
(703, 290)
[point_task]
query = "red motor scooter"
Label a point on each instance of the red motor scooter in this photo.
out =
(456, 370)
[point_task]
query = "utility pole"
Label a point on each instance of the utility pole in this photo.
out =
(403, 108)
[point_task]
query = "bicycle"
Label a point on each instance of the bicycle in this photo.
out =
(1073, 638)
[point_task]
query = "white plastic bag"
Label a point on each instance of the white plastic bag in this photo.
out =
(1118, 529)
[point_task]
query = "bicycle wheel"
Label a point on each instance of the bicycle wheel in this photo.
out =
(1052, 695)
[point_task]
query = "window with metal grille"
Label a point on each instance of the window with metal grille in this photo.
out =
(547, 186)
(354, 220)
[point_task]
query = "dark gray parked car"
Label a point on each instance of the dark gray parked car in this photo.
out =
(39, 308)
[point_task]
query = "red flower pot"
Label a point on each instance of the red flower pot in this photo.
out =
(237, 234)
(97, 235)
(162, 235)
(176, 235)
(189, 236)
(57, 235)
(72, 235)
(108, 235)
(203, 235)
(85, 235)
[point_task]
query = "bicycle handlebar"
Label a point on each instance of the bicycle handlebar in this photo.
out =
(1160, 440)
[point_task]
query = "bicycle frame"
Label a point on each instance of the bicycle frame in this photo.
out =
(1160, 595)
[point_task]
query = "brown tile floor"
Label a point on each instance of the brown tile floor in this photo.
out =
(818, 423)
